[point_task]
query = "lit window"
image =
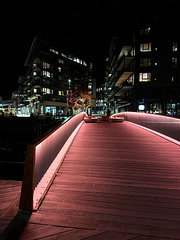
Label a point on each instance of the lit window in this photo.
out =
(144, 77)
(145, 31)
(174, 47)
(34, 73)
(47, 91)
(174, 77)
(131, 79)
(61, 61)
(61, 93)
(46, 73)
(54, 51)
(90, 86)
(84, 63)
(145, 47)
(63, 55)
(59, 69)
(46, 65)
(174, 62)
(35, 90)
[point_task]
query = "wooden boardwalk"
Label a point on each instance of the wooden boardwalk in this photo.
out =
(117, 181)
(9, 201)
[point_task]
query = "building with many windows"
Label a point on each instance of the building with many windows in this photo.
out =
(50, 74)
(144, 74)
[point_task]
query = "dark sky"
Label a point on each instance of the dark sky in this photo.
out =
(84, 28)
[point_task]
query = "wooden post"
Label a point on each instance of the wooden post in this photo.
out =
(26, 200)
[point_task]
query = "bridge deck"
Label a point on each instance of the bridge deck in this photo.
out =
(117, 181)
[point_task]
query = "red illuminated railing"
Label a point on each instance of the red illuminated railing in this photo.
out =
(168, 126)
(43, 159)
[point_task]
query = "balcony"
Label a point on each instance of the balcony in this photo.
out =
(118, 91)
(123, 100)
(125, 63)
(125, 51)
(125, 87)
(124, 76)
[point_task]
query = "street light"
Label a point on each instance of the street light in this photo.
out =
(69, 81)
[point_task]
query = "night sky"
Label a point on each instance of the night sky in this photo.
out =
(84, 29)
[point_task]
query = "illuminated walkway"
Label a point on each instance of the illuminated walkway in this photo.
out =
(118, 181)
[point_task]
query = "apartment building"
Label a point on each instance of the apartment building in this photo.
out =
(50, 74)
(147, 75)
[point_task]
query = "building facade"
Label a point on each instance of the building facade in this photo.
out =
(50, 74)
(147, 75)
(119, 76)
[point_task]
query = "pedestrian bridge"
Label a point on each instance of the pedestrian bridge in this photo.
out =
(104, 180)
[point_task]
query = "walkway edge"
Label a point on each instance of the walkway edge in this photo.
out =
(157, 133)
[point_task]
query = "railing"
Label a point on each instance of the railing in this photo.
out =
(168, 126)
(43, 159)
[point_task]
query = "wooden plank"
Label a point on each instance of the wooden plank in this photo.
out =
(151, 238)
(160, 218)
(9, 198)
(9, 202)
(113, 236)
(75, 234)
(67, 196)
(114, 208)
(38, 231)
(90, 222)
(3, 225)
(11, 210)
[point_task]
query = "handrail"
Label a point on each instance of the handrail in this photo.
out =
(43, 159)
(166, 125)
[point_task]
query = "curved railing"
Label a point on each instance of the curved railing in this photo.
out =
(43, 159)
(168, 126)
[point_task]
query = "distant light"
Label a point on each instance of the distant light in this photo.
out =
(22, 115)
(141, 107)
